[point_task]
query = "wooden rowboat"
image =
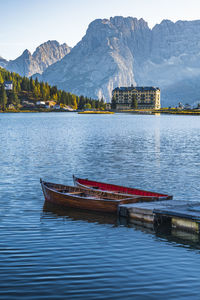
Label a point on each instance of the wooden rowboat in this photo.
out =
(75, 197)
(95, 185)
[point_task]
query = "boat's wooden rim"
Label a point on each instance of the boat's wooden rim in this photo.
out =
(139, 192)
(154, 194)
(82, 191)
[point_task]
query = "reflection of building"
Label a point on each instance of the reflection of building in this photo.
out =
(145, 97)
(8, 85)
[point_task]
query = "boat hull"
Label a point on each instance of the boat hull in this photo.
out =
(95, 200)
(90, 184)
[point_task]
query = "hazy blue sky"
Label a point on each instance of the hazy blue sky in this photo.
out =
(28, 23)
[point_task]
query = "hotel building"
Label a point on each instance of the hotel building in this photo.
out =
(145, 97)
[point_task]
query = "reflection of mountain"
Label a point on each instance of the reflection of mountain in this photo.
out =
(164, 234)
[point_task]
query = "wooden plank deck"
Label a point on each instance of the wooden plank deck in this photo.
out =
(184, 215)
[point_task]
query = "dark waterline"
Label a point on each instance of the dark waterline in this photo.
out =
(48, 253)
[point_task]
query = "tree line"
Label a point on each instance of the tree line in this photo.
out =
(25, 88)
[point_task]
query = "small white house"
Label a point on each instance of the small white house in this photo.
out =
(8, 85)
(40, 103)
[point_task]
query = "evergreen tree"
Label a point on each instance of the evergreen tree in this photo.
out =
(59, 96)
(53, 90)
(63, 99)
(74, 102)
(1, 79)
(13, 98)
(81, 102)
(18, 86)
(69, 99)
(36, 91)
(43, 91)
(47, 90)
(55, 97)
(23, 84)
(3, 97)
(77, 100)
(28, 84)
(32, 84)
(36, 81)
(134, 103)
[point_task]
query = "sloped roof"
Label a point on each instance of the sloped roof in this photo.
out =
(138, 88)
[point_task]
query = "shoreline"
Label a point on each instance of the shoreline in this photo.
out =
(137, 112)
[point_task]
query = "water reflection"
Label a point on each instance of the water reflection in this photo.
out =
(53, 210)
(172, 235)
(157, 146)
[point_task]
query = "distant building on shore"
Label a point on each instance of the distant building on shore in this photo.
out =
(8, 85)
(136, 97)
(108, 106)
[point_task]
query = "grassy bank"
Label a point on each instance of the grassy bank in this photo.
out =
(162, 111)
(96, 112)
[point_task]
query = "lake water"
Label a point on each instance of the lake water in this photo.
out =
(48, 253)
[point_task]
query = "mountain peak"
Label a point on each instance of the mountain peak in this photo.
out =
(119, 22)
(129, 21)
(26, 53)
(44, 55)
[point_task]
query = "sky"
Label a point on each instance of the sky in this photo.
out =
(25, 24)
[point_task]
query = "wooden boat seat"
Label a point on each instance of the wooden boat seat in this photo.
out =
(75, 193)
(67, 191)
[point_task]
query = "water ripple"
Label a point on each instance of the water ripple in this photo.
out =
(48, 253)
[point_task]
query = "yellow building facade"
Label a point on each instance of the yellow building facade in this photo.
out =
(145, 97)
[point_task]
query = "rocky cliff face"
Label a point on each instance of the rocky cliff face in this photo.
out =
(174, 61)
(123, 51)
(45, 55)
(103, 59)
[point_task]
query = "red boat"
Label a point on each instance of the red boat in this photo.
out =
(94, 185)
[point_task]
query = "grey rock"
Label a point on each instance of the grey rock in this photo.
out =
(3, 62)
(45, 55)
(123, 51)
(103, 59)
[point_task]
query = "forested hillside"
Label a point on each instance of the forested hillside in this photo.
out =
(29, 91)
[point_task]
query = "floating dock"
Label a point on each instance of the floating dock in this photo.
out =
(183, 215)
